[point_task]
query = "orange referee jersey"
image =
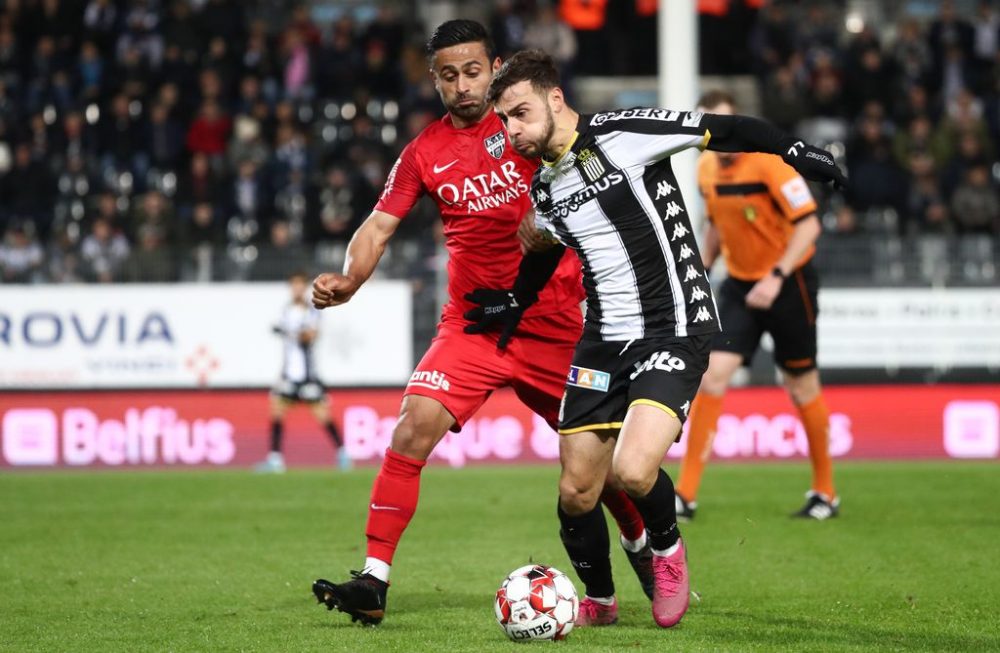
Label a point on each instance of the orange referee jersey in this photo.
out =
(753, 203)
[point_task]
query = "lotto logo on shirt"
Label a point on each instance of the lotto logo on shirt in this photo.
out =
(581, 377)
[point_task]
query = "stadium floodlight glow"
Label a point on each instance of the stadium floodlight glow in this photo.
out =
(92, 114)
(388, 134)
(331, 110)
(134, 108)
(390, 111)
(854, 22)
(349, 111)
(49, 114)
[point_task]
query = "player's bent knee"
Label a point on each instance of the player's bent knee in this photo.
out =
(802, 387)
(576, 496)
(634, 477)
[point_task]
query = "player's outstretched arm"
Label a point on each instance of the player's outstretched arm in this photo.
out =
(502, 309)
(363, 254)
(747, 134)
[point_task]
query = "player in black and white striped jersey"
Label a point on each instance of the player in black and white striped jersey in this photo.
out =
(298, 328)
(606, 189)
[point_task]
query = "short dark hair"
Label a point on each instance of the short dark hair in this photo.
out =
(713, 98)
(535, 66)
(454, 32)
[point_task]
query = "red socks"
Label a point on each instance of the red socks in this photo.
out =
(393, 502)
(624, 511)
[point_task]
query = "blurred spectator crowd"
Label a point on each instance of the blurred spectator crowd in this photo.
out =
(913, 108)
(162, 140)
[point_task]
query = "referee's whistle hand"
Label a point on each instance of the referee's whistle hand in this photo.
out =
(332, 289)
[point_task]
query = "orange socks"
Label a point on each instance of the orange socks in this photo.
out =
(704, 417)
(816, 419)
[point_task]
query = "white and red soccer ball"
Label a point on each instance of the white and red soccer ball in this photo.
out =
(536, 602)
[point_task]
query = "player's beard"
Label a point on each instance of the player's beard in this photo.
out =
(539, 147)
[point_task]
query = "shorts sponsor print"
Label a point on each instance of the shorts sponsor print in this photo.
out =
(664, 372)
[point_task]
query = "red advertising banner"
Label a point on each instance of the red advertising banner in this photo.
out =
(219, 428)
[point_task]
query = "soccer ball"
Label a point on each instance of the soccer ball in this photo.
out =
(536, 602)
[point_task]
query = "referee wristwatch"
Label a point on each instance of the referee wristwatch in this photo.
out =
(778, 273)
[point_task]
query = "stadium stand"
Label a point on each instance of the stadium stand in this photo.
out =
(198, 140)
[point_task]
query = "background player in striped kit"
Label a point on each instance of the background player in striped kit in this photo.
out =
(298, 328)
(762, 218)
(606, 189)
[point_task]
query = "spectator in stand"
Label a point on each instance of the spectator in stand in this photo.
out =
(974, 205)
(247, 143)
(199, 184)
(151, 261)
(926, 206)
(201, 238)
(21, 257)
(280, 256)
(27, 189)
(103, 253)
(783, 101)
(548, 32)
(209, 131)
(163, 139)
(153, 210)
(876, 180)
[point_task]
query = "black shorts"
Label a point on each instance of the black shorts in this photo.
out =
(791, 321)
(305, 391)
(606, 378)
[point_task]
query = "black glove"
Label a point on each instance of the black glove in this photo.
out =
(498, 309)
(812, 163)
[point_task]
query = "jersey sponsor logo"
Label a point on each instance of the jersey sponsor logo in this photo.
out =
(648, 114)
(697, 294)
(661, 360)
(495, 144)
(796, 192)
(591, 164)
(582, 377)
(430, 379)
(489, 190)
(680, 230)
(702, 315)
(685, 253)
(568, 205)
(439, 169)
(663, 189)
(673, 210)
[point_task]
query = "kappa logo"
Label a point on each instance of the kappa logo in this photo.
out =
(661, 360)
(582, 377)
(541, 196)
(697, 294)
(495, 144)
(702, 315)
(591, 164)
(432, 380)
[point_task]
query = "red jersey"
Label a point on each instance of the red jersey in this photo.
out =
(480, 185)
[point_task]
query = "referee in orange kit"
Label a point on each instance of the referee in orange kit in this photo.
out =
(762, 218)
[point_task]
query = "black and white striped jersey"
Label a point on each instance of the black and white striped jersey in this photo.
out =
(612, 197)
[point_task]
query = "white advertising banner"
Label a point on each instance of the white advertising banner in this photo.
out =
(916, 328)
(192, 335)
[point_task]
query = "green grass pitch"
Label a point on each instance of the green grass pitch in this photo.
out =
(223, 561)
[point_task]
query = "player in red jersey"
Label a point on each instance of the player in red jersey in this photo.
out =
(466, 164)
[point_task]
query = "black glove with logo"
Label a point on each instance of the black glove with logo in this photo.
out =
(813, 163)
(497, 309)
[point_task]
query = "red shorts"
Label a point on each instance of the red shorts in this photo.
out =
(462, 370)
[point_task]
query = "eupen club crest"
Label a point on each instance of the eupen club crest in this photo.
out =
(495, 144)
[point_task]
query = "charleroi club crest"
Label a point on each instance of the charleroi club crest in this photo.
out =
(495, 144)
